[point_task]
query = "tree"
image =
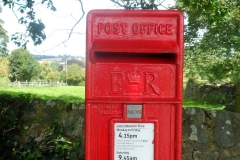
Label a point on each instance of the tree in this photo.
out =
(53, 76)
(4, 63)
(56, 66)
(62, 75)
(212, 37)
(22, 65)
(75, 74)
(45, 69)
(3, 38)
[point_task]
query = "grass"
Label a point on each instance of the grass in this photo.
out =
(76, 94)
(197, 104)
(187, 103)
(70, 94)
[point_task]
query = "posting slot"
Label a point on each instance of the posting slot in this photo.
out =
(125, 57)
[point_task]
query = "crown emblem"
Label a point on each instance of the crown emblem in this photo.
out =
(134, 77)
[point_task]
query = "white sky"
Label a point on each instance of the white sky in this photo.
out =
(56, 23)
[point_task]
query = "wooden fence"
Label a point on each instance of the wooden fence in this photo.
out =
(36, 84)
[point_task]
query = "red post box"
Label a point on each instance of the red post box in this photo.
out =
(134, 72)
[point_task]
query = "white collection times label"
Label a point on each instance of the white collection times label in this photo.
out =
(133, 141)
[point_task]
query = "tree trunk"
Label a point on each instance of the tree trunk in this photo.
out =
(237, 102)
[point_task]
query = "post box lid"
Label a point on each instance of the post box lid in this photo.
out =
(127, 29)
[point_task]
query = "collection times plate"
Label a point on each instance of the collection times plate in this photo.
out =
(133, 141)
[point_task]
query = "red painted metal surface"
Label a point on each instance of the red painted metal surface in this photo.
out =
(134, 57)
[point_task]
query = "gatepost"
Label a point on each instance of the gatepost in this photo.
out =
(134, 73)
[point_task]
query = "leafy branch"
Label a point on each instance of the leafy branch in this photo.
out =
(34, 27)
(140, 4)
(71, 30)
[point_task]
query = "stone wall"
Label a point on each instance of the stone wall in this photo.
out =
(44, 113)
(210, 135)
(207, 135)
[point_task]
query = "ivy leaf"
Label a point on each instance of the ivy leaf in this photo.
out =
(23, 153)
(26, 127)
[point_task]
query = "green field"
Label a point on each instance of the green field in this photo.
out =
(70, 94)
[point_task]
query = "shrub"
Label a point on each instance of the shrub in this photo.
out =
(82, 83)
(214, 94)
(50, 144)
(75, 75)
